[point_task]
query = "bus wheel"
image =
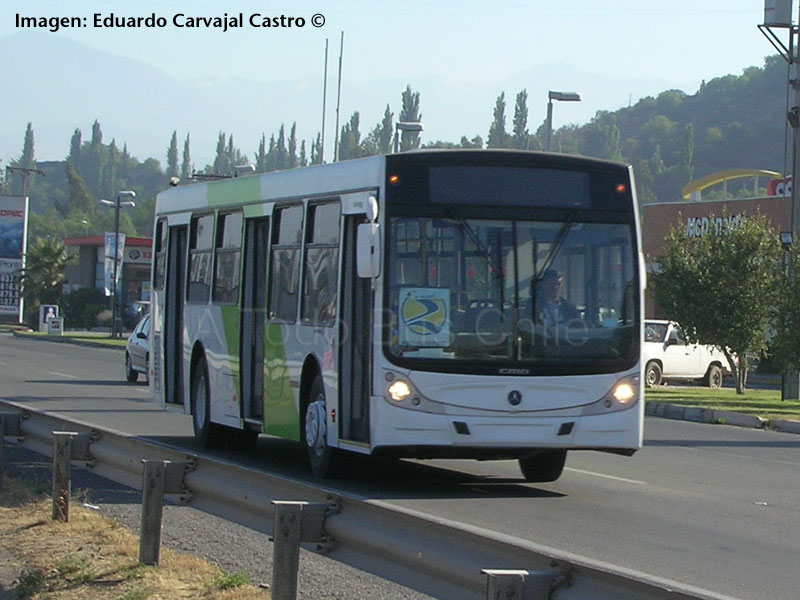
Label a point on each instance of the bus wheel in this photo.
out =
(206, 433)
(543, 466)
(324, 460)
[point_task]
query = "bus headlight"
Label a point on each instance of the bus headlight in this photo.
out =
(624, 392)
(623, 395)
(399, 390)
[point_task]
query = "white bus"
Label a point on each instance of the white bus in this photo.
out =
(395, 305)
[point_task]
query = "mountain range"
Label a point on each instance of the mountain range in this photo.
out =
(59, 85)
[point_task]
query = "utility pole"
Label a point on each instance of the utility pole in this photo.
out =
(25, 174)
(778, 16)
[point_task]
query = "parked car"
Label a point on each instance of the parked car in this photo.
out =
(668, 354)
(137, 350)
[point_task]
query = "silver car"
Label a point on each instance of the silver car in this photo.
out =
(137, 350)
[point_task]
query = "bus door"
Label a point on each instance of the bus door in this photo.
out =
(356, 341)
(254, 311)
(173, 314)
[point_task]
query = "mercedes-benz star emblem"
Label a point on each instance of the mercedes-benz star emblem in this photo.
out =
(514, 398)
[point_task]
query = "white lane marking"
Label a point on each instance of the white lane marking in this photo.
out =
(63, 375)
(606, 476)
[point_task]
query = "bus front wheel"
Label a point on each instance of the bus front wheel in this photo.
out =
(206, 433)
(325, 461)
(543, 466)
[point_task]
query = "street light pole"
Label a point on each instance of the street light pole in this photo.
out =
(561, 97)
(778, 15)
(114, 295)
(410, 126)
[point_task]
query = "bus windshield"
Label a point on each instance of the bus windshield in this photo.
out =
(544, 296)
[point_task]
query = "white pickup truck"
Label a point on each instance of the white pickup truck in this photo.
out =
(667, 354)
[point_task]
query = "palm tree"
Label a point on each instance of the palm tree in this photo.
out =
(43, 274)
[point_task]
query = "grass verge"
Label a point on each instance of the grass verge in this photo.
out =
(763, 403)
(94, 558)
(95, 337)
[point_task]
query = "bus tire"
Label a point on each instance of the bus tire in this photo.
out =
(543, 466)
(325, 462)
(713, 378)
(652, 374)
(206, 433)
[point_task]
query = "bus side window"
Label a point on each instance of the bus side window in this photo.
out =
(321, 264)
(285, 276)
(201, 239)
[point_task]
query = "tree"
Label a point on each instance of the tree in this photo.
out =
(384, 137)
(43, 274)
(75, 145)
(316, 151)
(409, 140)
(721, 287)
(498, 138)
(520, 134)
(350, 139)
(26, 160)
(221, 164)
(261, 155)
(291, 159)
(186, 164)
(79, 198)
(172, 156)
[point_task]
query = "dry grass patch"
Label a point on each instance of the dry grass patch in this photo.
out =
(95, 558)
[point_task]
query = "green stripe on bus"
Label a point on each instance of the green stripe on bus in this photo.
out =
(282, 418)
(240, 189)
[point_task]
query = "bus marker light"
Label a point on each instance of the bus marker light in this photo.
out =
(394, 179)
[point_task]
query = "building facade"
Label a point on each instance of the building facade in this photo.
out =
(88, 270)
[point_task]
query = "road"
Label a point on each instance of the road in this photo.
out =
(710, 505)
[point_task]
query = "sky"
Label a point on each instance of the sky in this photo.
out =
(677, 43)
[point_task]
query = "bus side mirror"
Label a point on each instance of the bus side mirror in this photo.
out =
(368, 250)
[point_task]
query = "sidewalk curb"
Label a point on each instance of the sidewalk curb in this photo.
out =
(720, 417)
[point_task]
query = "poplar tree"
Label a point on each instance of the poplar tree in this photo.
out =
(291, 159)
(350, 139)
(316, 151)
(386, 132)
(261, 155)
(27, 159)
(172, 156)
(409, 113)
(521, 135)
(186, 165)
(498, 138)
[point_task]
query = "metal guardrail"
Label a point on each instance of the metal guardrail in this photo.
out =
(441, 558)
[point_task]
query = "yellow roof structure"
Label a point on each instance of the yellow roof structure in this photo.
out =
(698, 185)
